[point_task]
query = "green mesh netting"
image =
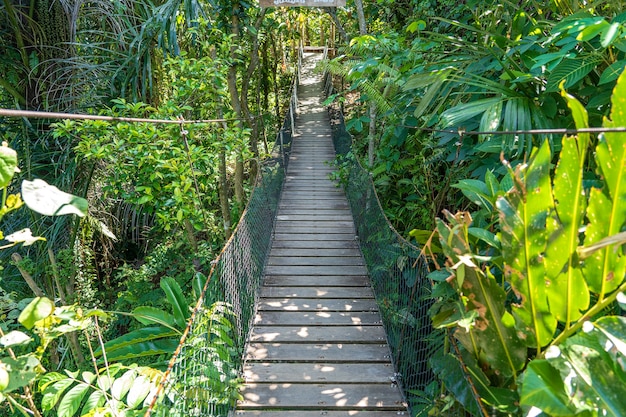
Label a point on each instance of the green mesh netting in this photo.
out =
(204, 377)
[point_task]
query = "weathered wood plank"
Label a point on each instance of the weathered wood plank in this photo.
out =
(317, 304)
(317, 292)
(314, 280)
(322, 396)
(317, 334)
(342, 224)
(316, 270)
(314, 244)
(314, 229)
(324, 237)
(307, 253)
(316, 318)
(311, 260)
(318, 372)
(319, 352)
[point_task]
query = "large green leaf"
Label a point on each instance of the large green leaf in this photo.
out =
(492, 337)
(448, 369)
(151, 315)
(456, 115)
(22, 370)
(71, 401)
(570, 71)
(597, 377)
(38, 309)
(604, 270)
(144, 349)
(567, 290)
(135, 337)
(614, 329)
(48, 200)
(8, 165)
(517, 116)
(177, 300)
(523, 215)
(543, 388)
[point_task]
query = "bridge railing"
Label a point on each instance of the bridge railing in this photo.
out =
(203, 375)
(398, 274)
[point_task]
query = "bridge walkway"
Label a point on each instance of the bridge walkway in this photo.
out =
(318, 346)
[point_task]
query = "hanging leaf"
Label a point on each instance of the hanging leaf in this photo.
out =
(604, 270)
(523, 215)
(48, 200)
(38, 309)
(177, 300)
(8, 164)
(567, 290)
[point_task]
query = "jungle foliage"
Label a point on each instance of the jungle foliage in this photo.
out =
(528, 274)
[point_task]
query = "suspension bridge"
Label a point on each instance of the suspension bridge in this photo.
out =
(328, 300)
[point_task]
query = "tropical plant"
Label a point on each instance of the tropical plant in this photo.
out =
(558, 246)
(162, 329)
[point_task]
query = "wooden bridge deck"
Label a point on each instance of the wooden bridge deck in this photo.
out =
(318, 346)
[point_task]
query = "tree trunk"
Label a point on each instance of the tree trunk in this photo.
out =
(332, 11)
(235, 102)
(245, 87)
(361, 16)
(223, 194)
(371, 142)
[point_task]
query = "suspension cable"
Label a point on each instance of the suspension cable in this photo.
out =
(76, 116)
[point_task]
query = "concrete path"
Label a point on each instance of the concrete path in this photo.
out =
(318, 347)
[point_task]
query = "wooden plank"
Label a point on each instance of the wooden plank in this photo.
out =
(309, 280)
(311, 260)
(324, 237)
(314, 244)
(316, 270)
(318, 352)
(306, 253)
(317, 334)
(315, 215)
(322, 396)
(321, 413)
(314, 229)
(317, 304)
(317, 318)
(343, 224)
(318, 372)
(317, 292)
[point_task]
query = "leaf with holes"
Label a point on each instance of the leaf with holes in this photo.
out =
(567, 290)
(523, 215)
(604, 270)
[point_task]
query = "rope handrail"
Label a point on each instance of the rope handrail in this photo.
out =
(77, 116)
(553, 131)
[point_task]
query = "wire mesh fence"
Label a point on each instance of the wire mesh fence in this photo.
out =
(399, 278)
(204, 375)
